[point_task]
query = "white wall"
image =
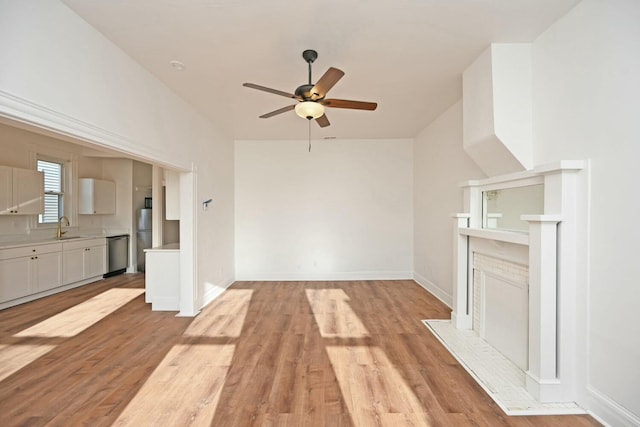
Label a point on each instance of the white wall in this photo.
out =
(215, 227)
(17, 148)
(440, 165)
(342, 211)
(587, 105)
(497, 108)
(60, 73)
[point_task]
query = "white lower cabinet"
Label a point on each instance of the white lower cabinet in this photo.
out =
(15, 278)
(84, 259)
(47, 271)
(29, 270)
(95, 260)
(73, 265)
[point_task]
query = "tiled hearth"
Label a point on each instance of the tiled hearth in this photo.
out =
(503, 381)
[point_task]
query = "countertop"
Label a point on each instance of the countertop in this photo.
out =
(168, 247)
(30, 241)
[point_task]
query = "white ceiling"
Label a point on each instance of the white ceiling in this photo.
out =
(407, 55)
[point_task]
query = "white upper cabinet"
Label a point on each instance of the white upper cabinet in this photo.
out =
(21, 191)
(96, 196)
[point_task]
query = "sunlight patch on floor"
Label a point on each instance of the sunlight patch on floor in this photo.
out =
(15, 357)
(76, 319)
(68, 323)
(231, 309)
(373, 389)
(183, 390)
(334, 315)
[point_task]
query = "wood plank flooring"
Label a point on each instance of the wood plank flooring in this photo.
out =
(263, 354)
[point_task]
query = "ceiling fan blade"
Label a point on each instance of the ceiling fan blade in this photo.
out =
(268, 89)
(323, 121)
(278, 111)
(345, 103)
(326, 82)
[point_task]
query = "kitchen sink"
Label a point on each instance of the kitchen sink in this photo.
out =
(71, 237)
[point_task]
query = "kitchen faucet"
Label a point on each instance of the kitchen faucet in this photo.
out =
(60, 232)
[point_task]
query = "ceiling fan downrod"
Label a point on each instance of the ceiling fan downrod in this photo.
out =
(311, 97)
(309, 56)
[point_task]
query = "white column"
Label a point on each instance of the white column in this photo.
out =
(189, 301)
(462, 315)
(542, 377)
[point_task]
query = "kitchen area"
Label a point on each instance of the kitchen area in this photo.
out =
(92, 220)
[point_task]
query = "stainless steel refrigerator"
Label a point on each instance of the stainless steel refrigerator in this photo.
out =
(143, 235)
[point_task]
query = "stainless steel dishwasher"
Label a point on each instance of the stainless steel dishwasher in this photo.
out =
(117, 254)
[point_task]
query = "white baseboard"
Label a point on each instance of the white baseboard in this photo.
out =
(607, 411)
(165, 304)
(214, 293)
(432, 288)
(350, 275)
(48, 292)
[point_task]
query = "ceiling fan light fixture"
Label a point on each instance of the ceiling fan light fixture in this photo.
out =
(309, 110)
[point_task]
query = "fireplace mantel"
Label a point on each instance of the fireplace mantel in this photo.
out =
(553, 301)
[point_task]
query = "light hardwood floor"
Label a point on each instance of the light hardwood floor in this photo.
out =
(264, 353)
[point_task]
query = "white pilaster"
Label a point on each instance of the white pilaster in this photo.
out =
(542, 376)
(462, 316)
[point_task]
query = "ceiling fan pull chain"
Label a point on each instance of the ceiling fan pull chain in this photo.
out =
(309, 120)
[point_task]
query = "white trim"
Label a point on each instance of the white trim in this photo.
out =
(609, 412)
(48, 292)
(541, 218)
(517, 176)
(18, 109)
(561, 166)
(189, 285)
(434, 289)
(165, 304)
(347, 275)
(499, 235)
(215, 292)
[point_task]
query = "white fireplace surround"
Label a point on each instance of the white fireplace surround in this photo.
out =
(553, 361)
(500, 305)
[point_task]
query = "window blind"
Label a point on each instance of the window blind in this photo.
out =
(53, 191)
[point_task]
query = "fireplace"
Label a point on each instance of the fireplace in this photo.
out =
(518, 291)
(501, 306)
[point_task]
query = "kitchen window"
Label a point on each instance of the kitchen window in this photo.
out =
(53, 191)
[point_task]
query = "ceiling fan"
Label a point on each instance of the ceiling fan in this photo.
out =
(312, 98)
